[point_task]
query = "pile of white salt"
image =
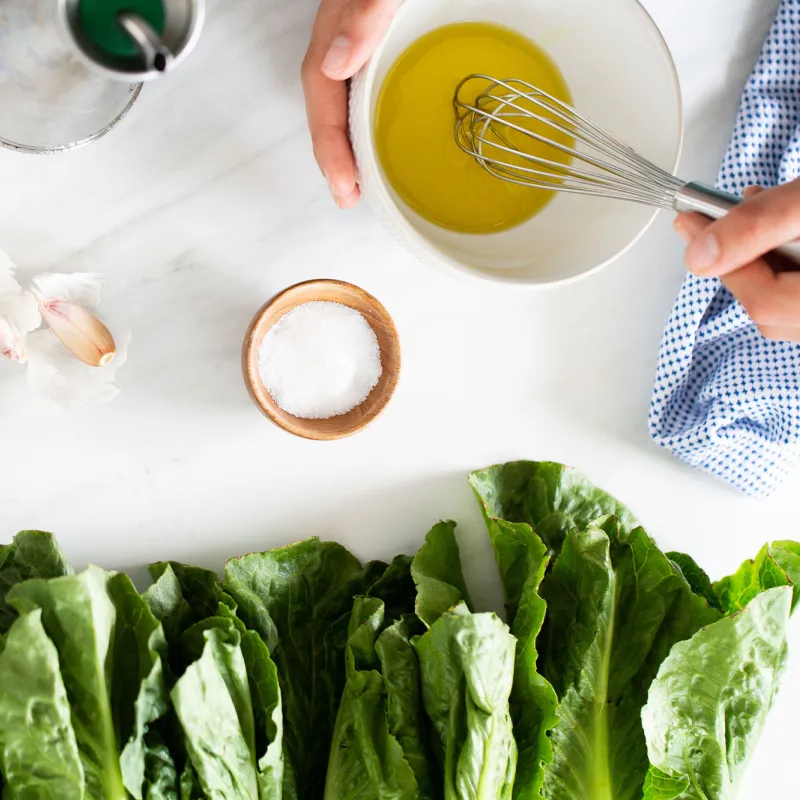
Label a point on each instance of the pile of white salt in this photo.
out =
(320, 360)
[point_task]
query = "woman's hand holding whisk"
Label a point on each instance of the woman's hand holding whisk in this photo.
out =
(733, 249)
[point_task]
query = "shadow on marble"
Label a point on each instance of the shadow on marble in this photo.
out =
(395, 517)
(754, 30)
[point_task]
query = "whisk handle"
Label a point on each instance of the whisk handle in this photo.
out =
(716, 204)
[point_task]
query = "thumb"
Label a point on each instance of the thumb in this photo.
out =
(690, 225)
(752, 191)
(361, 28)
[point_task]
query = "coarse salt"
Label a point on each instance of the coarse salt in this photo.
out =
(320, 360)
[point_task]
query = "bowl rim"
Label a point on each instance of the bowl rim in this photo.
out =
(419, 245)
(391, 363)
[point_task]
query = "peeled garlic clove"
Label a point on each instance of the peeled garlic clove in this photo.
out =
(85, 336)
(10, 345)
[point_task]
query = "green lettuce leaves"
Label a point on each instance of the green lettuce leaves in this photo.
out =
(437, 573)
(375, 753)
(298, 599)
(32, 554)
(616, 606)
(467, 664)
(777, 564)
(551, 498)
(467, 668)
(620, 673)
(522, 559)
(225, 691)
(98, 657)
(40, 756)
(707, 707)
(593, 626)
(380, 739)
(229, 707)
(615, 630)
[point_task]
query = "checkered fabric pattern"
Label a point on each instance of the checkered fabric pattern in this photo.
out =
(725, 399)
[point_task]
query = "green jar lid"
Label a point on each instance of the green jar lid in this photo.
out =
(98, 20)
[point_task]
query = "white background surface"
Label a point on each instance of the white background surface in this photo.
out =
(206, 201)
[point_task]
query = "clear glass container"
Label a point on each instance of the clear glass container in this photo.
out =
(50, 99)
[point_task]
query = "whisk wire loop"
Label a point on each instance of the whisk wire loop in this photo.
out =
(503, 111)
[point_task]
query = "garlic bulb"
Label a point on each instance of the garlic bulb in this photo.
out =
(73, 360)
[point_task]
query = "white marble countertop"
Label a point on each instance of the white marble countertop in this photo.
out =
(206, 201)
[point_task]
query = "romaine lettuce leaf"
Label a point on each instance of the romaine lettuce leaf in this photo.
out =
(467, 666)
(189, 785)
(212, 700)
(395, 587)
(551, 498)
(262, 675)
(139, 691)
(38, 752)
(787, 556)
(707, 707)
(615, 607)
(191, 604)
(298, 598)
(229, 706)
(660, 786)
(368, 757)
(110, 649)
(774, 565)
(522, 559)
(437, 573)
(407, 722)
(182, 595)
(161, 777)
(32, 554)
(696, 577)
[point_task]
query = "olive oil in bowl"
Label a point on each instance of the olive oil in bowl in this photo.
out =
(415, 119)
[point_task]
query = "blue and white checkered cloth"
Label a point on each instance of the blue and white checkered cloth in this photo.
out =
(725, 399)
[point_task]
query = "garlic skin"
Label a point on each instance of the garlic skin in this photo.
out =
(69, 307)
(59, 379)
(83, 334)
(18, 313)
(80, 288)
(10, 345)
(73, 361)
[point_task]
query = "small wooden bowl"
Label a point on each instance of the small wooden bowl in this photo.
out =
(347, 295)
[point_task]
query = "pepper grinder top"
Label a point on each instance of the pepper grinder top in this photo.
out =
(71, 69)
(132, 40)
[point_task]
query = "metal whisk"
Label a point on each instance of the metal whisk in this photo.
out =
(497, 124)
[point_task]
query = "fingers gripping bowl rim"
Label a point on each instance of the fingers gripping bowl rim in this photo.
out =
(620, 72)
